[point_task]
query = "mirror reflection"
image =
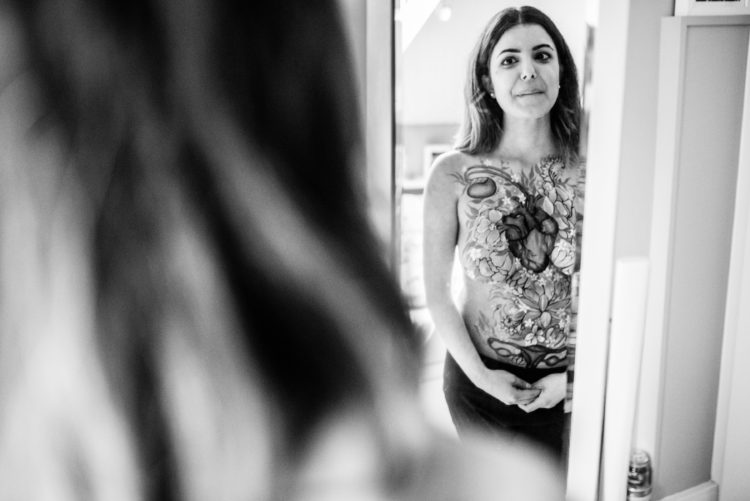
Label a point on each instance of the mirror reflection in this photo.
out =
(489, 197)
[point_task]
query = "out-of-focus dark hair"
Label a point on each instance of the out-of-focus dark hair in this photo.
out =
(482, 125)
(190, 281)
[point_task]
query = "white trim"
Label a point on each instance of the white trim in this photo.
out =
(626, 346)
(600, 214)
(669, 123)
(712, 8)
(731, 439)
(707, 491)
(379, 118)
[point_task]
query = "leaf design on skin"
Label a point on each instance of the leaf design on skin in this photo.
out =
(545, 318)
(502, 261)
(562, 209)
(517, 278)
(548, 206)
(543, 303)
(460, 178)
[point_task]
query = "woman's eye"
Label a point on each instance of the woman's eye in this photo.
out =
(508, 61)
(543, 56)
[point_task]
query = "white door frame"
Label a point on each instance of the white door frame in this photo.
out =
(732, 438)
(597, 260)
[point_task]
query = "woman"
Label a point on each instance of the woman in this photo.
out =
(193, 305)
(504, 202)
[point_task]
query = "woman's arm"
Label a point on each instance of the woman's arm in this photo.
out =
(440, 237)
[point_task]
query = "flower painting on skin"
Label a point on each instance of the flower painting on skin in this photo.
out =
(520, 242)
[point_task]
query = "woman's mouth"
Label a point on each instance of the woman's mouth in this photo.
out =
(529, 93)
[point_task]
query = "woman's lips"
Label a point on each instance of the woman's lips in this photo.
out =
(529, 93)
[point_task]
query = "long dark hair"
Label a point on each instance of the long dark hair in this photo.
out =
(209, 174)
(482, 125)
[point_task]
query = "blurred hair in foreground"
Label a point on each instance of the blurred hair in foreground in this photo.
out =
(192, 303)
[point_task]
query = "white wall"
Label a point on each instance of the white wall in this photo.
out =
(636, 178)
(369, 27)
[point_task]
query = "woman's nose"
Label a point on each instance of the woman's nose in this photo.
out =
(528, 72)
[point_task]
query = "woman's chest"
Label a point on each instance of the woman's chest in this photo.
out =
(507, 215)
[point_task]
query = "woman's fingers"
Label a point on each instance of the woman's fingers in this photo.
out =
(526, 397)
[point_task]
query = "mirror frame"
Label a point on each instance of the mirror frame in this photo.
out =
(597, 249)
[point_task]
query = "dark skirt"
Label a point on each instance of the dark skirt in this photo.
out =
(473, 410)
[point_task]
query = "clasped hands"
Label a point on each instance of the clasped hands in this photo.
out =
(512, 390)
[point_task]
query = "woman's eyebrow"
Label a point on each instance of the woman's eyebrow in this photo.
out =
(536, 47)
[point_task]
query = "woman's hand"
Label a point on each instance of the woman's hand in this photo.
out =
(507, 388)
(552, 391)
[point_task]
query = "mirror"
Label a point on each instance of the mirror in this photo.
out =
(433, 42)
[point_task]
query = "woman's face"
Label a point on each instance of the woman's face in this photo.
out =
(524, 72)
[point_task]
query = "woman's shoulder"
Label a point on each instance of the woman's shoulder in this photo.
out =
(443, 179)
(452, 163)
(453, 159)
(446, 172)
(571, 170)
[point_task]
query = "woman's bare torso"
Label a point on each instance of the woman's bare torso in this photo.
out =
(516, 247)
